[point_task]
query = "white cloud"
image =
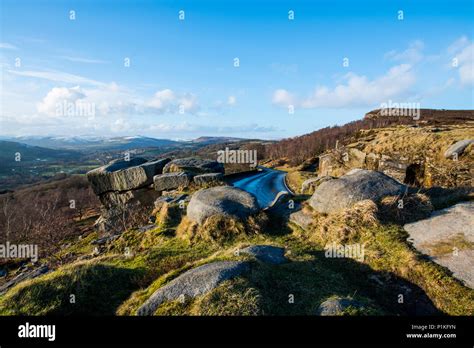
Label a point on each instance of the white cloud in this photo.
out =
(189, 103)
(283, 98)
(120, 125)
(458, 45)
(110, 99)
(463, 51)
(57, 76)
(201, 129)
(162, 99)
(356, 90)
(83, 60)
(232, 100)
(413, 54)
(57, 97)
(8, 46)
(170, 102)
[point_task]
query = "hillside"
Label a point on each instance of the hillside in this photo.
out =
(174, 238)
(301, 148)
(8, 149)
(78, 143)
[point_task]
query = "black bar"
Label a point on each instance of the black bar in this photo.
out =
(242, 330)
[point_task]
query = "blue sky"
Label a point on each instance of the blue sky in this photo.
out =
(182, 82)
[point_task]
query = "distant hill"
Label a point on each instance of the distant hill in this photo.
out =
(432, 116)
(299, 149)
(8, 149)
(88, 143)
(216, 140)
(93, 143)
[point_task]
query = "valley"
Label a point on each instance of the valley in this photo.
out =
(173, 231)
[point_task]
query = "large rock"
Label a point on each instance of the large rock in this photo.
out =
(144, 196)
(29, 274)
(194, 165)
(309, 185)
(355, 186)
(336, 306)
(209, 179)
(458, 148)
(120, 175)
(193, 283)
(301, 218)
(448, 238)
(171, 181)
(266, 253)
(393, 167)
(222, 200)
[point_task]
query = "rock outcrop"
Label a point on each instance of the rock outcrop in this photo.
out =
(336, 306)
(209, 179)
(458, 148)
(121, 175)
(355, 186)
(266, 253)
(301, 218)
(193, 283)
(309, 185)
(171, 181)
(425, 156)
(144, 195)
(27, 274)
(121, 184)
(448, 238)
(194, 166)
(221, 200)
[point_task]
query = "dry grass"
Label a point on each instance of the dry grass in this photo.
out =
(423, 145)
(404, 209)
(419, 141)
(386, 249)
(222, 229)
(236, 297)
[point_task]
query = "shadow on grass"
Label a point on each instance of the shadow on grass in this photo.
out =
(87, 289)
(312, 282)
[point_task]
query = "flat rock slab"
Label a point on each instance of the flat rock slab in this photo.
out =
(301, 219)
(221, 200)
(171, 181)
(193, 283)
(23, 276)
(458, 148)
(266, 253)
(448, 238)
(336, 306)
(208, 178)
(120, 175)
(145, 196)
(171, 199)
(193, 165)
(309, 185)
(355, 186)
